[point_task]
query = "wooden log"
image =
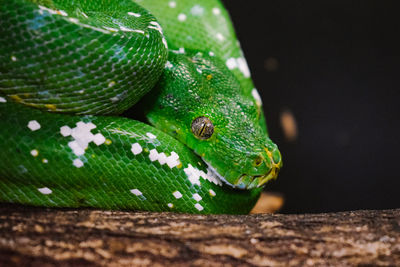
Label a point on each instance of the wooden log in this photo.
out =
(55, 237)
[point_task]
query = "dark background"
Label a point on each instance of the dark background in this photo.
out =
(335, 66)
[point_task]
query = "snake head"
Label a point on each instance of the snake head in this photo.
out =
(201, 103)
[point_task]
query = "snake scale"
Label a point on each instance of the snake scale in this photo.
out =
(192, 135)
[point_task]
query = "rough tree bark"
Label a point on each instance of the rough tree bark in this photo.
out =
(54, 237)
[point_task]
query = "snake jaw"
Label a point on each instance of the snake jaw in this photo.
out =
(250, 182)
(245, 181)
(262, 180)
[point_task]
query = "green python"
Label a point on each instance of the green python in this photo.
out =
(192, 135)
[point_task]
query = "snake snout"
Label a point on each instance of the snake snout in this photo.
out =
(266, 166)
(275, 159)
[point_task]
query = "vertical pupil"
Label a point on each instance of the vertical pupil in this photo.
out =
(202, 127)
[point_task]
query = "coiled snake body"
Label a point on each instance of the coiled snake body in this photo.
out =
(68, 68)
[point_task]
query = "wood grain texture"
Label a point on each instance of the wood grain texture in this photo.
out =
(54, 237)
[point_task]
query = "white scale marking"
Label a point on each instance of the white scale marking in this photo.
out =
(197, 197)
(256, 96)
(212, 193)
(172, 4)
(125, 29)
(197, 10)
(62, 12)
(139, 31)
(83, 14)
(220, 36)
(194, 175)
(81, 132)
(114, 99)
(77, 163)
(82, 137)
(172, 160)
(168, 65)
(151, 136)
(74, 20)
(242, 64)
(181, 17)
(99, 139)
(198, 207)
(136, 192)
(33, 125)
(45, 190)
(177, 194)
(154, 25)
(136, 149)
(2, 100)
(231, 63)
(216, 11)
(239, 63)
(181, 50)
(134, 14)
(54, 12)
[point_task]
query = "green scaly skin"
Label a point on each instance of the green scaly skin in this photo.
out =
(63, 67)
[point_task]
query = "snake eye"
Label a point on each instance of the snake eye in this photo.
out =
(202, 127)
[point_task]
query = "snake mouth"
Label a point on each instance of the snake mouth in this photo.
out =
(245, 181)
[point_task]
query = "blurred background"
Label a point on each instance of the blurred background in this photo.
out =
(328, 74)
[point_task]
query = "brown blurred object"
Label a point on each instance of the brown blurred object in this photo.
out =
(271, 64)
(289, 125)
(269, 202)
